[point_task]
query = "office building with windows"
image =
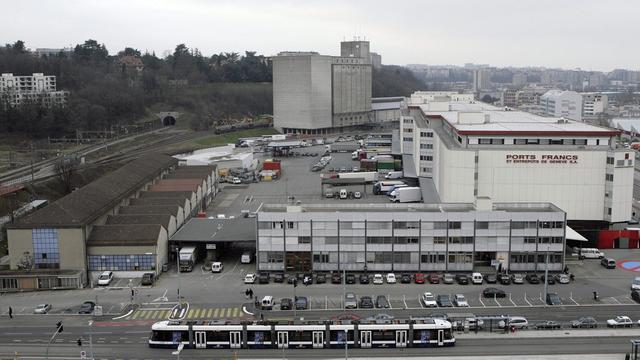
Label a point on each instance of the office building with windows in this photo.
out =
(410, 237)
(470, 149)
(37, 88)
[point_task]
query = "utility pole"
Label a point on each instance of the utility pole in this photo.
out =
(59, 329)
(91, 338)
(546, 275)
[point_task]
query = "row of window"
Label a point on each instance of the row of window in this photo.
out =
(122, 262)
(406, 240)
(531, 258)
(499, 141)
(426, 146)
(426, 157)
(426, 225)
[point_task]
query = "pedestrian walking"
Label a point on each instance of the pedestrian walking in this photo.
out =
(250, 294)
(10, 313)
(261, 317)
(246, 293)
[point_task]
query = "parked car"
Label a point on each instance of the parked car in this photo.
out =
(504, 279)
(548, 325)
(42, 309)
(250, 278)
(462, 279)
(302, 303)
(517, 278)
(635, 295)
(553, 299)
(336, 278)
(608, 263)
(366, 302)
(476, 278)
(286, 304)
(357, 195)
(87, 307)
(350, 301)
(532, 278)
(351, 279)
(321, 278)
(382, 302)
(518, 322)
(444, 301)
(493, 292)
(460, 301)
(447, 279)
(263, 278)
(377, 279)
(418, 278)
(405, 279)
(563, 278)
(391, 278)
(105, 278)
(550, 280)
(148, 279)
(278, 278)
(620, 321)
(307, 279)
(585, 322)
(434, 279)
(364, 278)
(491, 278)
(428, 300)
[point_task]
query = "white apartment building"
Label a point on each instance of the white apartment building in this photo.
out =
(593, 105)
(37, 87)
(471, 149)
(560, 103)
(410, 237)
(314, 94)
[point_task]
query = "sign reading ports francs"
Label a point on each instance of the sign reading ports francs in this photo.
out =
(541, 159)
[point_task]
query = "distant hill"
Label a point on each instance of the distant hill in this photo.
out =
(394, 80)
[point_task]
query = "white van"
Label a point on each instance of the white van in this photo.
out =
(216, 267)
(343, 193)
(394, 175)
(267, 302)
(635, 285)
(590, 253)
(246, 258)
(476, 278)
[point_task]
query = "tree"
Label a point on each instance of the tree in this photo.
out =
(91, 51)
(488, 99)
(129, 52)
(25, 262)
(65, 171)
(18, 47)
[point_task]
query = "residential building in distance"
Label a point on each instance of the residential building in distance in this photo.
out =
(41, 52)
(410, 237)
(594, 105)
(559, 103)
(376, 60)
(481, 80)
(319, 94)
(509, 97)
(470, 149)
(131, 64)
(39, 88)
(519, 79)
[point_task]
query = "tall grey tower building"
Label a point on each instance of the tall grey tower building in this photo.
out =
(319, 94)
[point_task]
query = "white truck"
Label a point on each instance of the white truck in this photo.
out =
(187, 258)
(368, 176)
(344, 147)
(407, 194)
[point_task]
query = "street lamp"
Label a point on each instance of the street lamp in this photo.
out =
(59, 329)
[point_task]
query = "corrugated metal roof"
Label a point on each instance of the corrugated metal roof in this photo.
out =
(124, 235)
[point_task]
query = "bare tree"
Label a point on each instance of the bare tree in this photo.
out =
(65, 171)
(25, 262)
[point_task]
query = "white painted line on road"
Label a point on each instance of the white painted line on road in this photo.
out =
(404, 300)
(123, 316)
(326, 302)
(514, 304)
(525, 299)
(616, 300)
(244, 309)
(495, 298)
(419, 302)
(480, 299)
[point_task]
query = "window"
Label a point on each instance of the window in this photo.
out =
(608, 211)
(379, 239)
(433, 258)
(331, 240)
(406, 224)
(455, 224)
(439, 239)
(529, 239)
(523, 225)
(276, 224)
(304, 239)
(407, 130)
(264, 225)
(461, 240)
(555, 141)
(522, 258)
(440, 225)
(321, 257)
(426, 146)
(46, 253)
(460, 257)
(403, 240)
(122, 262)
(402, 257)
(482, 225)
(291, 225)
(407, 139)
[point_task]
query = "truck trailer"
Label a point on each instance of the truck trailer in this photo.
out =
(343, 147)
(187, 258)
(407, 194)
(368, 176)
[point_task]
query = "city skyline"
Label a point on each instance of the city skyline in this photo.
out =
(572, 35)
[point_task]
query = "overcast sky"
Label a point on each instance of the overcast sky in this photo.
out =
(589, 34)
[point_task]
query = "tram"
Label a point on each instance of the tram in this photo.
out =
(426, 332)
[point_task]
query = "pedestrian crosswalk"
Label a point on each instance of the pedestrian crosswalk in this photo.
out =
(193, 313)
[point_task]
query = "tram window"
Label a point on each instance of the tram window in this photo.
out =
(217, 336)
(423, 335)
(338, 335)
(383, 335)
(259, 336)
(447, 334)
(300, 335)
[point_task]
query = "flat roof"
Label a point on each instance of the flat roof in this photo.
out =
(413, 207)
(124, 235)
(217, 230)
(490, 120)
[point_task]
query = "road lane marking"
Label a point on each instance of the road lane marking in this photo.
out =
(216, 313)
(235, 312)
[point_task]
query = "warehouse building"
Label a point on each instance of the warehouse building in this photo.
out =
(470, 149)
(120, 222)
(410, 237)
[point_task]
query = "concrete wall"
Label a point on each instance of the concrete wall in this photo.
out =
(71, 245)
(302, 91)
(19, 242)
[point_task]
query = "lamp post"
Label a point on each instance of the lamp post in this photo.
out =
(58, 330)
(91, 338)
(546, 274)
